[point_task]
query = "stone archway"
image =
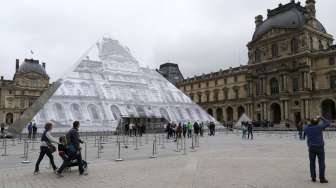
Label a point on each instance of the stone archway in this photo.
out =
(328, 109)
(9, 118)
(219, 114)
(275, 113)
(229, 114)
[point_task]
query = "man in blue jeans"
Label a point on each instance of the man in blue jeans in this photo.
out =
(314, 133)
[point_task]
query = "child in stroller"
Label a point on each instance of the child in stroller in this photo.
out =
(65, 155)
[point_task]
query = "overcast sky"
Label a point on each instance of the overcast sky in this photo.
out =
(199, 35)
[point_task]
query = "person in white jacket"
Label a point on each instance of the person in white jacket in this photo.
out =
(46, 147)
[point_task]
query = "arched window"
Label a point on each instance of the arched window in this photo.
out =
(93, 111)
(274, 86)
(76, 111)
(257, 55)
(295, 45)
(60, 112)
(275, 50)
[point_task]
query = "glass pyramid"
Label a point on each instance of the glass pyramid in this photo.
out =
(108, 84)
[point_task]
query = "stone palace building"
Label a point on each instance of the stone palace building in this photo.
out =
(29, 82)
(290, 74)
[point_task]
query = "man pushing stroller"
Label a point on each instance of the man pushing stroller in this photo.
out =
(70, 151)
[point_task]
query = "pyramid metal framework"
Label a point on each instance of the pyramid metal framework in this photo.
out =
(108, 84)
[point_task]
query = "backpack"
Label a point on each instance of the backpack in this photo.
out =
(68, 145)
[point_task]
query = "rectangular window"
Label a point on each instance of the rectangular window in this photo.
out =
(295, 84)
(235, 79)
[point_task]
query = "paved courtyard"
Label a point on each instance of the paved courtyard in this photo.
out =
(271, 160)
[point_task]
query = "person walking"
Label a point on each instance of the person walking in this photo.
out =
(315, 142)
(46, 148)
(189, 129)
(201, 129)
(249, 130)
(30, 130)
(74, 149)
(184, 130)
(34, 127)
(300, 129)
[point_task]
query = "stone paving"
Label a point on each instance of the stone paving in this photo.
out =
(276, 160)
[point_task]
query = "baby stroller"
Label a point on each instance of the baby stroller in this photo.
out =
(65, 155)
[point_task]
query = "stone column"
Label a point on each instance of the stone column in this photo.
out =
(285, 83)
(282, 106)
(307, 108)
(286, 110)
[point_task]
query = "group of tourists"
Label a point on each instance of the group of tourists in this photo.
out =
(135, 129)
(32, 130)
(68, 148)
(186, 130)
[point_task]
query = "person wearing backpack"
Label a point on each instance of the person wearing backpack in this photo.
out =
(74, 149)
(46, 148)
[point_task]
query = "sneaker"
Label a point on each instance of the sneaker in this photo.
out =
(323, 180)
(313, 180)
(59, 175)
(36, 172)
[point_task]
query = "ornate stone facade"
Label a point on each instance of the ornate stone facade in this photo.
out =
(290, 75)
(29, 82)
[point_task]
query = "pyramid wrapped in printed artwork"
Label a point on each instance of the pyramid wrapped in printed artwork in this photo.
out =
(107, 84)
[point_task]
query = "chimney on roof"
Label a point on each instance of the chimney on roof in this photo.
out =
(44, 65)
(17, 65)
(2, 77)
(259, 20)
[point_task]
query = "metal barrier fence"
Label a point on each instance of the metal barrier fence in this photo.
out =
(108, 144)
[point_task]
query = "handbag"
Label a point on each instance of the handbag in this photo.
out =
(51, 148)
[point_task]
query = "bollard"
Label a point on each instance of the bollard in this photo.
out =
(85, 151)
(154, 148)
(119, 157)
(193, 143)
(140, 141)
(136, 143)
(25, 152)
(184, 146)
(99, 148)
(20, 139)
(177, 145)
(5, 146)
(163, 143)
(95, 141)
